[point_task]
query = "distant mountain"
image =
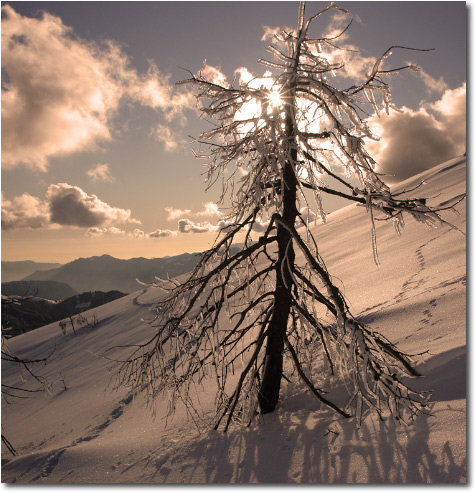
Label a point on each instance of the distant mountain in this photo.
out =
(47, 289)
(105, 273)
(18, 270)
(27, 315)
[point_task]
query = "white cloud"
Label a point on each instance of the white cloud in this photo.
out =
(214, 75)
(339, 21)
(244, 75)
(452, 113)
(414, 141)
(57, 98)
(65, 205)
(224, 224)
(137, 233)
(210, 210)
(156, 91)
(354, 63)
(24, 211)
(60, 93)
(100, 231)
(434, 85)
(170, 138)
(162, 233)
(260, 226)
(96, 231)
(100, 172)
(70, 205)
(270, 32)
(176, 213)
(187, 226)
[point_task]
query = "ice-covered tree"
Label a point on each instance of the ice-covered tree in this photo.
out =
(279, 142)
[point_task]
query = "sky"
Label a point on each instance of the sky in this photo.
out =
(96, 137)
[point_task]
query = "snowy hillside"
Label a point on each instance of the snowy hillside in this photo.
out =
(89, 433)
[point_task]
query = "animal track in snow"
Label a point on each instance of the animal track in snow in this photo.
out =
(50, 464)
(413, 282)
(53, 459)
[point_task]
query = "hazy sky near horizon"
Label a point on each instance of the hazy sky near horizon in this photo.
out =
(96, 154)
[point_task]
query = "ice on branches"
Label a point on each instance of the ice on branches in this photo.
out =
(249, 303)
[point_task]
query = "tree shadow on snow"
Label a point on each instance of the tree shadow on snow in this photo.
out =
(445, 375)
(295, 445)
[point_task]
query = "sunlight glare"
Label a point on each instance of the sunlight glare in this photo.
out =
(249, 110)
(274, 98)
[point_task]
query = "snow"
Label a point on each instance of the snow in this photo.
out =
(89, 433)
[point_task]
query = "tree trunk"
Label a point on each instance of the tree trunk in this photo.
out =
(273, 362)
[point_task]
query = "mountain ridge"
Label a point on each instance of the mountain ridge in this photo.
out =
(105, 272)
(48, 289)
(17, 270)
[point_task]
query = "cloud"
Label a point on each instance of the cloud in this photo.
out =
(24, 211)
(260, 226)
(57, 98)
(70, 205)
(100, 172)
(244, 75)
(176, 213)
(162, 233)
(187, 226)
(65, 205)
(60, 93)
(100, 231)
(452, 111)
(414, 141)
(210, 210)
(170, 138)
(224, 224)
(434, 85)
(339, 21)
(137, 233)
(354, 63)
(270, 32)
(214, 75)
(156, 91)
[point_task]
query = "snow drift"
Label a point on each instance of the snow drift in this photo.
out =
(83, 432)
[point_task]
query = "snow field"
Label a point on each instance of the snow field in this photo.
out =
(88, 433)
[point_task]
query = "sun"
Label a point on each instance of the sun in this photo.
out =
(252, 110)
(275, 98)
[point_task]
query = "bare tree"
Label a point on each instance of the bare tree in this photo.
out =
(279, 142)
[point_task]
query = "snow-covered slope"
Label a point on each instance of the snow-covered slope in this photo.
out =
(89, 433)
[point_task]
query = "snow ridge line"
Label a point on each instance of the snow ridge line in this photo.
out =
(53, 459)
